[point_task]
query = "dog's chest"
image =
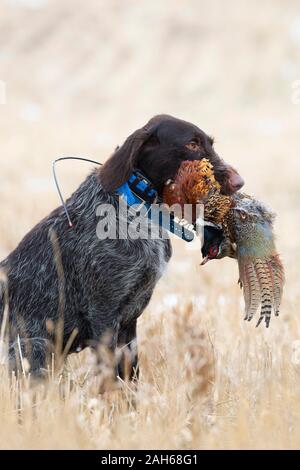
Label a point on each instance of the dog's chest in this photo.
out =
(133, 271)
(146, 262)
(141, 277)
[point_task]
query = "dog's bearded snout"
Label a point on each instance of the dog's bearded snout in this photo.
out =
(229, 179)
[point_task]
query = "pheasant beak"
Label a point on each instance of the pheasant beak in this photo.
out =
(204, 261)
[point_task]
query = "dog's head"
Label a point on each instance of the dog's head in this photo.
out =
(159, 148)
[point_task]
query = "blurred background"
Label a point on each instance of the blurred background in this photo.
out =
(79, 77)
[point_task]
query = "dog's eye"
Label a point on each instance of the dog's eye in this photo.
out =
(193, 146)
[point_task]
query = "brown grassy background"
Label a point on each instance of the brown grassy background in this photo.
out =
(80, 76)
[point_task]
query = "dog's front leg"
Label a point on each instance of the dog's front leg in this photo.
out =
(30, 355)
(128, 354)
(104, 344)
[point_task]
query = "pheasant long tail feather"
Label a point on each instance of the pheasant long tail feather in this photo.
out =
(251, 288)
(245, 283)
(266, 283)
(276, 267)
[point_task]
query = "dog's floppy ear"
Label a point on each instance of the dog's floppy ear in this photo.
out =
(120, 165)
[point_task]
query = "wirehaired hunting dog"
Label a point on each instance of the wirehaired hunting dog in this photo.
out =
(97, 286)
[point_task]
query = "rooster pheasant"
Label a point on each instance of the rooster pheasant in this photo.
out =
(246, 234)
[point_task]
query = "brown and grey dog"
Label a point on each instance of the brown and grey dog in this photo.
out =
(97, 285)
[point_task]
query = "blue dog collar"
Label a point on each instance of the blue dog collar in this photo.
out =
(127, 194)
(142, 187)
(138, 191)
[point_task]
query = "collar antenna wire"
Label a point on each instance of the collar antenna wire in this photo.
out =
(57, 183)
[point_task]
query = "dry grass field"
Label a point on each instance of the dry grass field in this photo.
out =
(79, 77)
